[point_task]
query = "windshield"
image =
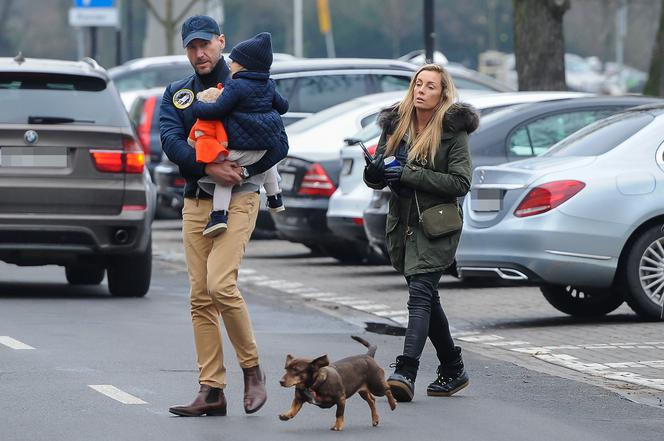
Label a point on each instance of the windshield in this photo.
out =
(57, 98)
(602, 136)
(158, 76)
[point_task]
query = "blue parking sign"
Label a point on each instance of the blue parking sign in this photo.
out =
(93, 3)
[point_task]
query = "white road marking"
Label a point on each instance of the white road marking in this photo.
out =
(318, 295)
(13, 343)
(116, 394)
(480, 338)
(371, 307)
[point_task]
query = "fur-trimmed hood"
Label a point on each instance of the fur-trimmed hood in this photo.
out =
(459, 117)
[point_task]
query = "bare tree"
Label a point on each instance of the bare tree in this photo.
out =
(539, 44)
(655, 84)
(169, 22)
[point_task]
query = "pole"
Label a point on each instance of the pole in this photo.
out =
(621, 32)
(429, 34)
(298, 49)
(93, 42)
(80, 43)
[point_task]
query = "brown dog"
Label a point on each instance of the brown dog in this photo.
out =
(323, 384)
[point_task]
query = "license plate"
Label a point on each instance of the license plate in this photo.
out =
(346, 166)
(487, 199)
(33, 157)
(287, 180)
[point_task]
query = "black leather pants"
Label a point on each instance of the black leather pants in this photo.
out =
(426, 318)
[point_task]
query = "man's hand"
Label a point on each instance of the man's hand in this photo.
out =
(224, 173)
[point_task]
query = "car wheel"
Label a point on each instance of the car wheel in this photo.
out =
(346, 252)
(84, 274)
(644, 274)
(129, 276)
(582, 302)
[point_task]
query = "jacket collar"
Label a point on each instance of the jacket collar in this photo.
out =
(252, 75)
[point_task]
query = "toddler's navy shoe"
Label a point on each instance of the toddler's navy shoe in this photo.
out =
(275, 204)
(217, 225)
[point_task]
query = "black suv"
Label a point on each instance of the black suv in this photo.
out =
(73, 184)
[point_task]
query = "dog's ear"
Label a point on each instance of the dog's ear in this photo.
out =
(320, 362)
(289, 358)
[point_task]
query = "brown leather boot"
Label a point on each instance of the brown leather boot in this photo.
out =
(210, 401)
(254, 389)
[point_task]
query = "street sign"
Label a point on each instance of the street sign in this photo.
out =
(87, 13)
(93, 3)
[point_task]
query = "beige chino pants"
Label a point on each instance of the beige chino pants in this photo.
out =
(213, 266)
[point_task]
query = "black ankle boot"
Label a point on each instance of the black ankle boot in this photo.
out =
(402, 381)
(452, 377)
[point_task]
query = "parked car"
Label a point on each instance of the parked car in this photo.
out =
(515, 133)
(464, 78)
(73, 185)
(583, 220)
(144, 115)
(310, 172)
(135, 76)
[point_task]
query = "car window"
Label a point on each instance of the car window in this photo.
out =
(368, 119)
(285, 86)
(368, 132)
(537, 136)
(319, 92)
(84, 99)
(321, 117)
(464, 83)
(602, 136)
(160, 76)
(389, 83)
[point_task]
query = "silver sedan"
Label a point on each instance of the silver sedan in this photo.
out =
(584, 221)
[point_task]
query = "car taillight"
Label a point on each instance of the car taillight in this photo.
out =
(372, 149)
(316, 182)
(547, 196)
(130, 159)
(145, 125)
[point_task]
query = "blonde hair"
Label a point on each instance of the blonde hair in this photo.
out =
(424, 145)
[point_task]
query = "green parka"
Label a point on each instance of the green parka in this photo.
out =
(448, 178)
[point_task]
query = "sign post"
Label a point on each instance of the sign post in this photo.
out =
(93, 14)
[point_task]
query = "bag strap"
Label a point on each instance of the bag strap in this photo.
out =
(417, 204)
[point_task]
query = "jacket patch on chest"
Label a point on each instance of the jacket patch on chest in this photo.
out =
(183, 98)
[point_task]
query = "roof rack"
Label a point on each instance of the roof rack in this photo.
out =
(91, 62)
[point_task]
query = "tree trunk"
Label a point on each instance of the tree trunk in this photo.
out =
(655, 84)
(539, 44)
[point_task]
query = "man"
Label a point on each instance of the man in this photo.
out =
(213, 263)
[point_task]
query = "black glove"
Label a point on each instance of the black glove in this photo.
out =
(393, 175)
(374, 169)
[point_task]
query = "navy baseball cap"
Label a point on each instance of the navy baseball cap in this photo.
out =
(199, 26)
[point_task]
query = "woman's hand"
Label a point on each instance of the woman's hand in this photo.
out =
(393, 174)
(374, 169)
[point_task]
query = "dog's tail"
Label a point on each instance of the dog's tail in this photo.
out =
(372, 348)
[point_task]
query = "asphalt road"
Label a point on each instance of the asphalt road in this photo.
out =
(82, 337)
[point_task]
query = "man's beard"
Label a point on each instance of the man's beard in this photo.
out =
(213, 64)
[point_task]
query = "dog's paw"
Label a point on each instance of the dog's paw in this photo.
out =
(284, 417)
(336, 429)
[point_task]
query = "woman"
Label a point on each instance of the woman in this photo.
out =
(428, 134)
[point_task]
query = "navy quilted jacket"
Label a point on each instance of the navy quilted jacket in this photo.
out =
(250, 108)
